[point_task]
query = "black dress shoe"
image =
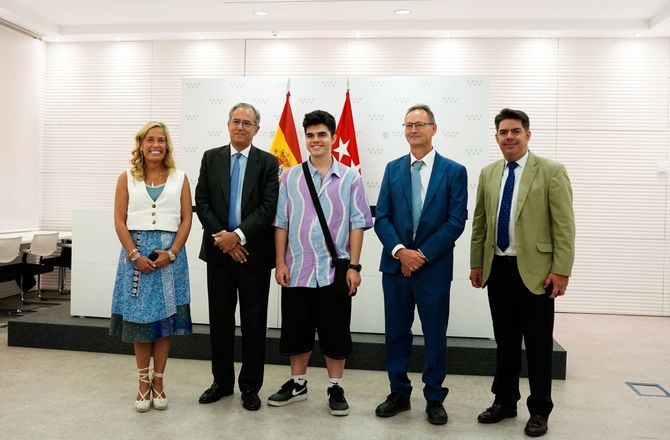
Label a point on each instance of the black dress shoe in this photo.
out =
(251, 401)
(496, 413)
(436, 413)
(393, 404)
(536, 426)
(214, 393)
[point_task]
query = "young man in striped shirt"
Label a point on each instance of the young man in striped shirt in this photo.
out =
(309, 300)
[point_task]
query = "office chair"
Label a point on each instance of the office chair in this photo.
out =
(42, 245)
(62, 262)
(10, 249)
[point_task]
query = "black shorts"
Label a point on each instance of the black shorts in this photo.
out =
(306, 309)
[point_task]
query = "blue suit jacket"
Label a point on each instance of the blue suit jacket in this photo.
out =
(442, 219)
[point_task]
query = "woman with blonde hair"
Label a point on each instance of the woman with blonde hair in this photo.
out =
(152, 218)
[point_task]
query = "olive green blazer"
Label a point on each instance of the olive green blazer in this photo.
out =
(544, 222)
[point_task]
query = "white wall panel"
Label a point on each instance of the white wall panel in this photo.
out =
(76, 192)
(544, 142)
(612, 129)
(97, 96)
(666, 267)
(615, 277)
(600, 106)
(610, 213)
(295, 57)
(22, 62)
(613, 84)
(87, 149)
(623, 158)
(79, 163)
(105, 84)
(176, 60)
(522, 71)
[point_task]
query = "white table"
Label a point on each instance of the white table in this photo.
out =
(27, 236)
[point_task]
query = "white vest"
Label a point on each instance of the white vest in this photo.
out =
(164, 214)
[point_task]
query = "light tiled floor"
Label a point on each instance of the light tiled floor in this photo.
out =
(50, 394)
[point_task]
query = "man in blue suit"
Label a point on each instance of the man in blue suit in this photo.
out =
(420, 213)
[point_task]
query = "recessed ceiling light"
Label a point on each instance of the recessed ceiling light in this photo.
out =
(402, 12)
(261, 13)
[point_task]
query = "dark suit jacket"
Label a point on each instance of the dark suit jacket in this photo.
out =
(442, 219)
(259, 203)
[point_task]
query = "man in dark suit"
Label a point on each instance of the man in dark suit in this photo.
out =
(522, 249)
(236, 202)
(420, 213)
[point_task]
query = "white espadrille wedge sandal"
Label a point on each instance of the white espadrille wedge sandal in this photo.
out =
(159, 399)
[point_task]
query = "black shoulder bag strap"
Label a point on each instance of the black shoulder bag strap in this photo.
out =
(319, 212)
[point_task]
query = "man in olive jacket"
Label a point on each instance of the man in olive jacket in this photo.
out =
(522, 249)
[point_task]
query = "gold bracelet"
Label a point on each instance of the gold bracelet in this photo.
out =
(129, 257)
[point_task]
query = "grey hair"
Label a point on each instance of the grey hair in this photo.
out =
(423, 107)
(257, 118)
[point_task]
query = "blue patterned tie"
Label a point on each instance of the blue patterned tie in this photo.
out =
(234, 191)
(505, 208)
(417, 204)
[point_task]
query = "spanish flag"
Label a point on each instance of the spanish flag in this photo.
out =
(285, 143)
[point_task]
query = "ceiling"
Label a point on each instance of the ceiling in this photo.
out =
(97, 20)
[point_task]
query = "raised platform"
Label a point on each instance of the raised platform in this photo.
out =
(54, 328)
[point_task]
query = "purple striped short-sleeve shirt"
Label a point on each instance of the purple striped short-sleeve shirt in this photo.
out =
(345, 206)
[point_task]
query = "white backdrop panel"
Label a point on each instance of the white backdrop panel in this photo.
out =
(598, 105)
(460, 104)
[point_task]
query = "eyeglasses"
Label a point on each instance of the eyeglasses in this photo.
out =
(418, 125)
(245, 124)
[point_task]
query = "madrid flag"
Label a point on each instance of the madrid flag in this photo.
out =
(345, 148)
(285, 143)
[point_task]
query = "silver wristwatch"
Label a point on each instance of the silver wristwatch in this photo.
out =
(171, 255)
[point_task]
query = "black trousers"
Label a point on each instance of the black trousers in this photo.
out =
(224, 283)
(518, 313)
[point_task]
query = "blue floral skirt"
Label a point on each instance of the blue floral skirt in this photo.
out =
(177, 324)
(149, 307)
